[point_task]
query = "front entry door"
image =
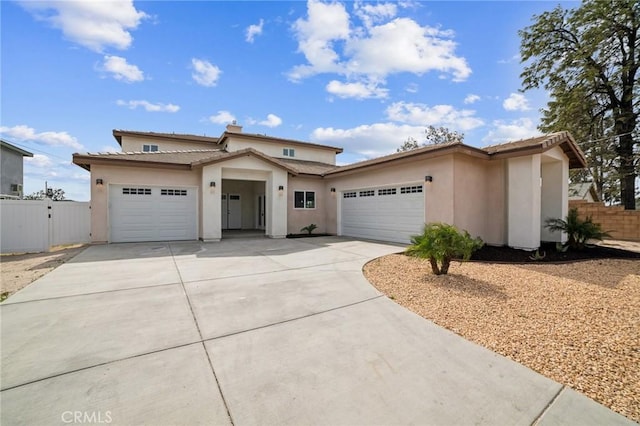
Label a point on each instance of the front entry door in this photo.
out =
(231, 211)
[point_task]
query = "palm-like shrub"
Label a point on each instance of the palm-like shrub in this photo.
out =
(440, 242)
(578, 231)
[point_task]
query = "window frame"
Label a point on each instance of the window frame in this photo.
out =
(152, 147)
(305, 200)
(288, 152)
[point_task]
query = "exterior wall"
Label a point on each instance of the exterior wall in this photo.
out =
(523, 195)
(620, 223)
(439, 200)
(479, 198)
(114, 175)
(134, 144)
(554, 191)
(12, 171)
(328, 156)
(244, 169)
(299, 218)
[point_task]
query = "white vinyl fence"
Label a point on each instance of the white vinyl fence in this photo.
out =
(38, 225)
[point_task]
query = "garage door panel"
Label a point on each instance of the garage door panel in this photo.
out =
(391, 214)
(144, 213)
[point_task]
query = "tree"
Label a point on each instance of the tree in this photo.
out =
(591, 55)
(53, 193)
(440, 243)
(433, 136)
(579, 231)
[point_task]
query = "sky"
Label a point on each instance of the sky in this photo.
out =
(364, 76)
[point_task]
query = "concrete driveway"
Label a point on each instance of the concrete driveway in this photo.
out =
(251, 332)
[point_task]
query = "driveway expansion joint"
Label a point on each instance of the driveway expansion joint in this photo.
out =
(195, 320)
(548, 406)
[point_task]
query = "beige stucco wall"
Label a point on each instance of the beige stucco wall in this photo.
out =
(299, 218)
(479, 198)
(554, 192)
(523, 197)
(247, 168)
(439, 201)
(114, 175)
(134, 144)
(328, 156)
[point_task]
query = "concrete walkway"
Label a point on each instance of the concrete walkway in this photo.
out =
(248, 332)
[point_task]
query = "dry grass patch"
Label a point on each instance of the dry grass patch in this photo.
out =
(578, 323)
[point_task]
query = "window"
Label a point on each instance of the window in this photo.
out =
(369, 193)
(178, 192)
(388, 191)
(136, 191)
(349, 195)
(304, 199)
(149, 148)
(410, 189)
(288, 152)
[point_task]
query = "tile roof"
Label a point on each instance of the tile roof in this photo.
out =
(308, 167)
(185, 157)
(180, 136)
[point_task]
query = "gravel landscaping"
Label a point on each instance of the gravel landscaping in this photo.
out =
(577, 323)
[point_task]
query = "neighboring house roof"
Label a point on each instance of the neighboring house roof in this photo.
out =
(14, 148)
(541, 144)
(579, 191)
(183, 137)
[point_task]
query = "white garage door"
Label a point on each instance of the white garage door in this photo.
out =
(385, 213)
(149, 213)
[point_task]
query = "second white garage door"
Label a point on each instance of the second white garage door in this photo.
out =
(385, 213)
(146, 213)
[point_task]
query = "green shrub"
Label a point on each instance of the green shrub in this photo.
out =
(440, 243)
(578, 231)
(309, 228)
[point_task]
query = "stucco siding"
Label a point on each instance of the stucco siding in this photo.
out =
(135, 143)
(274, 149)
(470, 181)
(114, 175)
(299, 218)
(438, 194)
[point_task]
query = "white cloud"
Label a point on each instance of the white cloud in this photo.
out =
(26, 133)
(514, 58)
(271, 121)
(121, 70)
(438, 115)
(109, 148)
(516, 102)
(157, 107)
(375, 50)
(92, 24)
(471, 98)
(39, 161)
(356, 90)
(504, 131)
(369, 140)
(325, 24)
(374, 13)
(412, 88)
(254, 30)
(222, 117)
(204, 72)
